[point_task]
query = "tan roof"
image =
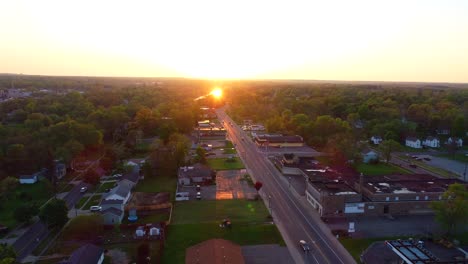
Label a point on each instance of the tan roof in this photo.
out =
(214, 251)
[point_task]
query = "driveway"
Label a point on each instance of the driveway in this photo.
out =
(229, 185)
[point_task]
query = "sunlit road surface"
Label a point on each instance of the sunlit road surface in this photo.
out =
(295, 220)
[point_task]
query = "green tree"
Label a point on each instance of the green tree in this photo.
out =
(54, 213)
(7, 187)
(201, 155)
(25, 212)
(91, 177)
(452, 211)
(7, 254)
(387, 147)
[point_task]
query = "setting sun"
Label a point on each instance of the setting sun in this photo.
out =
(217, 93)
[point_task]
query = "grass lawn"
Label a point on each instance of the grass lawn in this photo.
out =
(379, 169)
(81, 202)
(180, 237)
(131, 250)
(356, 246)
(106, 185)
(157, 184)
(223, 164)
(37, 193)
(148, 219)
(205, 211)
(197, 221)
(229, 151)
(94, 200)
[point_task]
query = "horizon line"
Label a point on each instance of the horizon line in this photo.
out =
(237, 79)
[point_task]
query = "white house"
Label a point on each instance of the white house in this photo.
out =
(458, 141)
(28, 179)
(112, 216)
(121, 192)
(413, 142)
(431, 142)
(376, 140)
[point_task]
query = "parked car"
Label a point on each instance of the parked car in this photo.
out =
(198, 196)
(198, 188)
(95, 208)
(304, 245)
(427, 159)
(413, 165)
(210, 154)
(83, 189)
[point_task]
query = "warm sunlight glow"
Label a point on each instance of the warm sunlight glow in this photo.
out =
(400, 40)
(217, 93)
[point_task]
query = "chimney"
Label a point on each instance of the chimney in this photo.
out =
(361, 182)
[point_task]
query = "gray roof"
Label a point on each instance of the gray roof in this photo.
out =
(197, 170)
(112, 210)
(112, 202)
(133, 175)
(88, 253)
(121, 190)
(28, 177)
(412, 139)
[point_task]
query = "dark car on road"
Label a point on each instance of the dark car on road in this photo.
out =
(304, 245)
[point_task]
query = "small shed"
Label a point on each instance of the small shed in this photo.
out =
(28, 179)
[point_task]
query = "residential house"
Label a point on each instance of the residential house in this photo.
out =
(60, 170)
(121, 192)
(413, 142)
(112, 216)
(197, 173)
(88, 253)
(29, 179)
(431, 142)
(214, 251)
(132, 177)
(370, 156)
(376, 140)
(458, 141)
(112, 203)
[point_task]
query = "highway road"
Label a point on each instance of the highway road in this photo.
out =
(295, 220)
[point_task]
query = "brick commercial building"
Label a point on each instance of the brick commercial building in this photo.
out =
(279, 141)
(336, 193)
(376, 195)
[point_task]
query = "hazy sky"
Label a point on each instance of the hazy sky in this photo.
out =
(405, 40)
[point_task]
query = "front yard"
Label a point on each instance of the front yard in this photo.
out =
(37, 193)
(197, 221)
(157, 184)
(379, 169)
(225, 164)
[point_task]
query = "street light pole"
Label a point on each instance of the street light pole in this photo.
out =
(269, 204)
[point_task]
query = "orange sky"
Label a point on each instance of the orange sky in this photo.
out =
(334, 40)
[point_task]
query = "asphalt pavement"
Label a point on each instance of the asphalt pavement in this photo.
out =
(295, 220)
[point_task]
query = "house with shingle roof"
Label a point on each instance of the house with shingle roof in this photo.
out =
(413, 142)
(431, 142)
(88, 253)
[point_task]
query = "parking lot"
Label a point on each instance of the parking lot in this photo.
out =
(229, 185)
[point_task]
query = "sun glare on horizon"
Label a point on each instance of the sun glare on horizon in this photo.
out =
(217, 93)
